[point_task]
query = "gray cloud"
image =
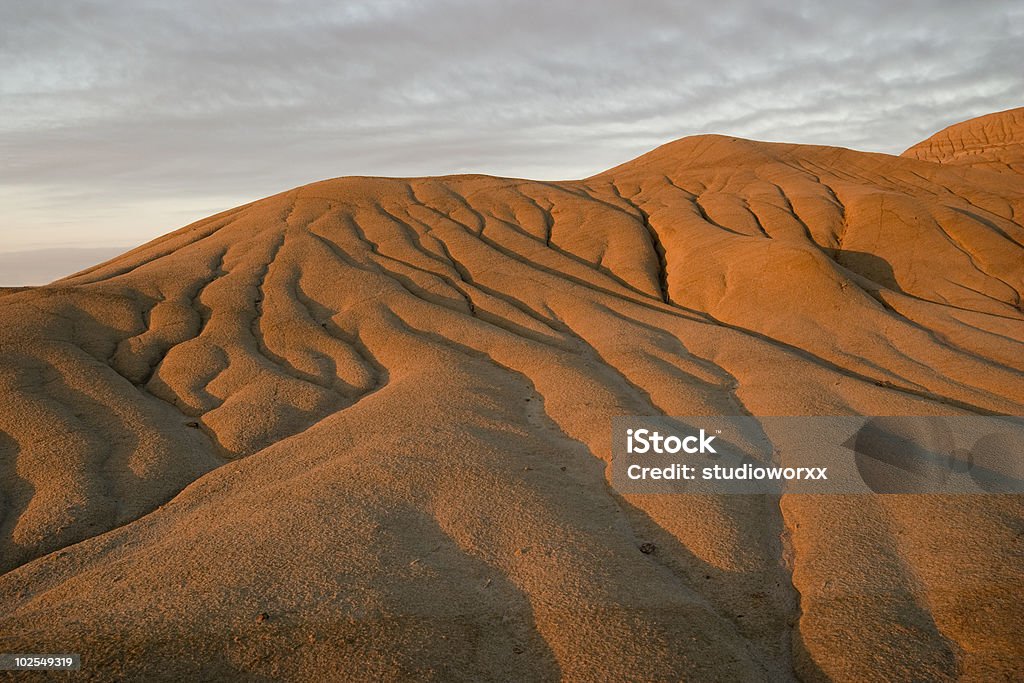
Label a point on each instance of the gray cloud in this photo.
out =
(120, 120)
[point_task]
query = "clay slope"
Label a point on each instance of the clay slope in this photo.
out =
(362, 427)
(994, 142)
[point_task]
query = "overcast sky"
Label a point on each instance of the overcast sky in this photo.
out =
(123, 119)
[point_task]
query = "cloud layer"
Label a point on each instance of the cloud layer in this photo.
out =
(122, 120)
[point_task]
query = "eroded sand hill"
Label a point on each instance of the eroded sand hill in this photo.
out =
(994, 142)
(361, 427)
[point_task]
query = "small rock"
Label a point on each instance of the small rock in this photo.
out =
(647, 548)
(261, 617)
(563, 468)
(193, 424)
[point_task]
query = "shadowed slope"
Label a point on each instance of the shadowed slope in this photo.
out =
(382, 409)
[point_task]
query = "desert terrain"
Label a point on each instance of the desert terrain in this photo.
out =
(360, 430)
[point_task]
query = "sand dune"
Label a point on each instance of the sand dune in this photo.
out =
(362, 427)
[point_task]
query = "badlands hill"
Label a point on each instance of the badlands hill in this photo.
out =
(994, 142)
(362, 427)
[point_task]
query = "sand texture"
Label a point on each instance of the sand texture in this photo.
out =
(359, 430)
(994, 142)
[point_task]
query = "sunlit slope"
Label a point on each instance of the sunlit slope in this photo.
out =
(994, 142)
(382, 410)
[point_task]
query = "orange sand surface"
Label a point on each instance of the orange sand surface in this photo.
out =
(361, 429)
